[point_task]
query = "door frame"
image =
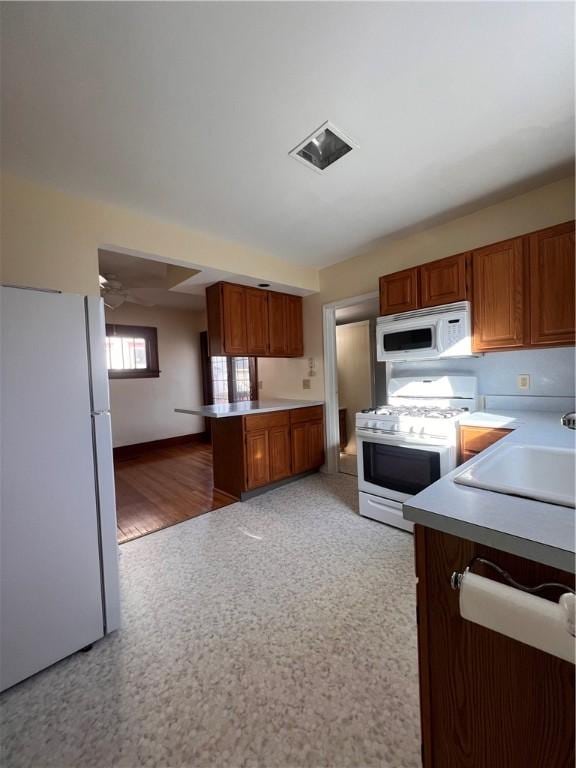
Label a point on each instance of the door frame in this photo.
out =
(331, 376)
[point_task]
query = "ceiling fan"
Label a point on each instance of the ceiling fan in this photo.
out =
(114, 293)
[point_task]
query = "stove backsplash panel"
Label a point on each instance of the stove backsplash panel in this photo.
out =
(551, 371)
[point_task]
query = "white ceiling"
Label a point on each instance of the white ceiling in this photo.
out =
(188, 111)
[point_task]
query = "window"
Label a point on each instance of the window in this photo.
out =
(131, 351)
(228, 379)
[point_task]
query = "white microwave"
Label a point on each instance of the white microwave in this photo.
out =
(425, 334)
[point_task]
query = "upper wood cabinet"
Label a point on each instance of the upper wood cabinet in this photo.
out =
(499, 299)
(439, 282)
(250, 321)
(277, 311)
(285, 322)
(233, 298)
(399, 292)
(294, 324)
(443, 281)
(256, 322)
(552, 280)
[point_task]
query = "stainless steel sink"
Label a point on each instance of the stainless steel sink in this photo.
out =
(534, 472)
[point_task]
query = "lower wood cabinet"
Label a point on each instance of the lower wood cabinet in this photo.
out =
(257, 458)
(253, 451)
(307, 426)
(279, 453)
(473, 440)
(486, 701)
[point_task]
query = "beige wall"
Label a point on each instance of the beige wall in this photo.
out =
(354, 373)
(51, 239)
(543, 207)
(143, 409)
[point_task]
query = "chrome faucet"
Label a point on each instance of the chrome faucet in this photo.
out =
(569, 420)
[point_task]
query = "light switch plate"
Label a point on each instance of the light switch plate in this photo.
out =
(523, 381)
(306, 384)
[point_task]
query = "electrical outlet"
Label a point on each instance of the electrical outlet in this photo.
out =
(523, 381)
(260, 384)
(306, 384)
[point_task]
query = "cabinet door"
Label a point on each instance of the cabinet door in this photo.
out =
(498, 296)
(277, 321)
(399, 292)
(257, 458)
(234, 310)
(279, 446)
(474, 440)
(256, 322)
(315, 438)
(443, 281)
(300, 460)
(487, 701)
(295, 341)
(552, 280)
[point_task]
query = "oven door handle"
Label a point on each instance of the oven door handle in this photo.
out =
(394, 437)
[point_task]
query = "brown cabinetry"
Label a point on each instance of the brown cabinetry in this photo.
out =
(522, 290)
(256, 322)
(399, 292)
(262, 448)
(443, 281)
(552, 283)
(285, 322)
(486, 701)
(307, 428)
(279, 453)
(439, 282)
(235, 318)
(250, 321)
(257, 458)
(499, 299)
(473, 440)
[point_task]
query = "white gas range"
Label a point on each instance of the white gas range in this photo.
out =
(410, 443)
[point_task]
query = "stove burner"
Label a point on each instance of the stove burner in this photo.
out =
(425, 412)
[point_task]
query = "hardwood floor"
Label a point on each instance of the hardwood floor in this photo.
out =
(164, 486)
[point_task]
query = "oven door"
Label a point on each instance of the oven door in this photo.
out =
(398, 467)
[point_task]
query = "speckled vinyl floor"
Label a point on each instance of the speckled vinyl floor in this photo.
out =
(279, 632)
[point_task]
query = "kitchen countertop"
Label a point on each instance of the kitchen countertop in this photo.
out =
(266, 405)
(531, 529)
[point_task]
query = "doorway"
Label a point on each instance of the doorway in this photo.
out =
(353, 379)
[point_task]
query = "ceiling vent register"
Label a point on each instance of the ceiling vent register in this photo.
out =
(323, 148)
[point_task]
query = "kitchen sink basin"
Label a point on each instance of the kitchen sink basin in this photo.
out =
(543, 474)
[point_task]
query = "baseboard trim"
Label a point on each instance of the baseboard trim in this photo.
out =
(245, 495)
(125, 452)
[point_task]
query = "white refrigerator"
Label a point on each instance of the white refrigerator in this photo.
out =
(58, 551)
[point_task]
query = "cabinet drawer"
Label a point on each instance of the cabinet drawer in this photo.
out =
(298, 415)
(476, 439)
(266, 420)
